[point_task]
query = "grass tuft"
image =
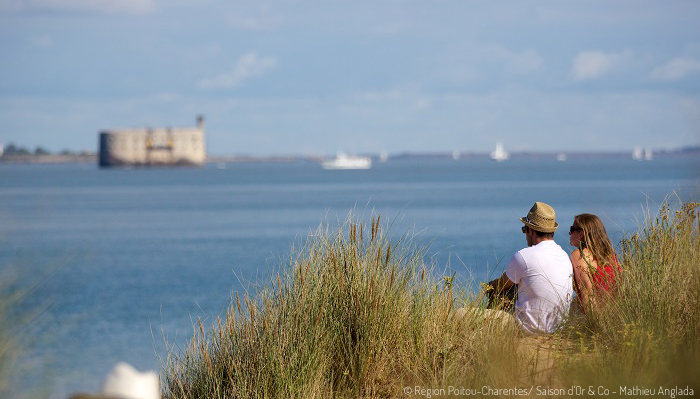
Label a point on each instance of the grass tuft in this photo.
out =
(353, 314)
(647, 334)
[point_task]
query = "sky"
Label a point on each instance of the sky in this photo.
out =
(311, 77)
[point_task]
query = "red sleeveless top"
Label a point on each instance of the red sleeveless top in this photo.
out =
(605, 276)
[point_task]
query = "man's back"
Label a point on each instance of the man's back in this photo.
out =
(543, 273)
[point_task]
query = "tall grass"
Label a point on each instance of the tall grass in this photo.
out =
(23, 307)
(13, 318)
(648, 333)
(8, 347)
(353, 314)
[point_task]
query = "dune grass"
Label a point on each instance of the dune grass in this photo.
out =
(648, 335)
(354, 314)
(8, 347)
(12, 319)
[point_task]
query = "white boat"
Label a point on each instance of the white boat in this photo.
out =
(562, 157)
(637, 154)
(499, 154)
(344, 161)
(383, 156)
(648, 154)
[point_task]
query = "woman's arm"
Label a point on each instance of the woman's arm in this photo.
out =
(582, 280)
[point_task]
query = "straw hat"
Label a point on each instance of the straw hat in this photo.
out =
(541, 218)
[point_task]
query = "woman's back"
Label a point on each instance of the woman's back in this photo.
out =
(595, 264)
(600, 277)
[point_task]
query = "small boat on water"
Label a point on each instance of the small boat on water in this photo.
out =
(344, 161)
(383, 156)
(499, 154)
(646, 154)
(637, 154)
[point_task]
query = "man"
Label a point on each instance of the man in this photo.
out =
(542, 272)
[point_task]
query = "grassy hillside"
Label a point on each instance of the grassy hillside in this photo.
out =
(355, 314)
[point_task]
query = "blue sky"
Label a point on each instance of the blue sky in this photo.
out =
(313, 77)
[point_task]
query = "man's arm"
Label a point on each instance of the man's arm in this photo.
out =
(502, 283)
(499, 293)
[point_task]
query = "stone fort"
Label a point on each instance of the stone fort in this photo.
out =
(153, 147)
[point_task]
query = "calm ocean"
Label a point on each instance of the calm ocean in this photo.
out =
(119, 258)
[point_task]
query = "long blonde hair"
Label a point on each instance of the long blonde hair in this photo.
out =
(595, 239)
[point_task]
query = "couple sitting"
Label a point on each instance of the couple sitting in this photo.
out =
(539, 278)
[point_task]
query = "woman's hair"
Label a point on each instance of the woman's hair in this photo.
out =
(595, 238)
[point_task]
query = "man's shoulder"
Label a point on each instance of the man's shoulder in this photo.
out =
(548, 245)
(544, 248)
(525, 252)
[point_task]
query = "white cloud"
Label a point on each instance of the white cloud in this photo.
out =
(594, 64)
(253, 22)
(103, 6)
(676, 69)
(422, 103)
(522, 63)
(513, 62)
(167, 97)
(379, 96)
(253, 16)
(42, 41)
(248, 66)
(476, 63)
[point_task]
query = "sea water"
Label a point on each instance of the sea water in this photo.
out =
(116, 262)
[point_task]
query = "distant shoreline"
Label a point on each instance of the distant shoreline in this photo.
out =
(460, 156)
(48, 159)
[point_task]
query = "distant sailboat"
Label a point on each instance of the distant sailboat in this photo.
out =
(648, 154)
(561, 157)
(637, 154)
(383, 156)
(456, 155)
(499, 154)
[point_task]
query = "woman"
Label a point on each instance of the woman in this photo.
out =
(594, 261)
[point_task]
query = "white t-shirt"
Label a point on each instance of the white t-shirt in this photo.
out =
(544, 275)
